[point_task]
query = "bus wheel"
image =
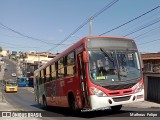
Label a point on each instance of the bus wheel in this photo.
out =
(72, 102)
(45, 103)
(116, 108)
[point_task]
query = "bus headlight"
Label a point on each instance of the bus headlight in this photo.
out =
(97, 92)
(139, 88)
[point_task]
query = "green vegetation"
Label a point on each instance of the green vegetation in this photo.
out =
(1, 49)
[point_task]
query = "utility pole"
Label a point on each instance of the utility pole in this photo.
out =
(38, 60)
(90, 27)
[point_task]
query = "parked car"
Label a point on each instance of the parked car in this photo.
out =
(14, 75)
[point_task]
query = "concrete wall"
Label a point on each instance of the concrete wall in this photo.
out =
(4, 53)
(32, 58)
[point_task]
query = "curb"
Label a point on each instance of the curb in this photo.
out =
(2, 98)
(143, 104)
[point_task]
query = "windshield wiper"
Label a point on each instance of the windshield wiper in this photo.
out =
(107, 55)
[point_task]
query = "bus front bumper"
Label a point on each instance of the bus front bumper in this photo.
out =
(107, 102)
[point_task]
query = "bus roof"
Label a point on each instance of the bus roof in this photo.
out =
(74, 46)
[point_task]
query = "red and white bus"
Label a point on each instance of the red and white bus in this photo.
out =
(97, 72)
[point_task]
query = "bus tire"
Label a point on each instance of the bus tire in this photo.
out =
(116, 108)
(72, 102)
(45, 106)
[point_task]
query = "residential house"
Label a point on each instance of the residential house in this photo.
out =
(151, 72)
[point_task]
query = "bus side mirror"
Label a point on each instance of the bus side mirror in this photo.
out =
(85, 58)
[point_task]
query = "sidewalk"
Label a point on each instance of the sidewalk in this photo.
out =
(3, 103)
(5, 106)
(144, 104)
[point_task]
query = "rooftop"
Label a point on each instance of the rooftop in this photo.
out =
(150, 56)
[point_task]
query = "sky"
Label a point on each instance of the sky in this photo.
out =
(39, 25)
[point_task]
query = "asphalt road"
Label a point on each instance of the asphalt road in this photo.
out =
(11, 68)
(23, 100)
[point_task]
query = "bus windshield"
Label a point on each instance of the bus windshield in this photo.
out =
(114, 65)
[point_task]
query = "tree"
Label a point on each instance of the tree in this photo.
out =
(1, 49)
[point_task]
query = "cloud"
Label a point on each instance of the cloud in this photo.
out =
(60, 30)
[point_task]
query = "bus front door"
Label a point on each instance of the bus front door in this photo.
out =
(82, 74)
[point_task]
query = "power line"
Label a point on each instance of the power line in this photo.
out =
(85, 22)
(9, 35)
(146, 32)
(150, 41)
(10, 45)
(19, 46)
(104, 9)
(22, 37)
(21, 34)
(144, 26)
(130, 21)
(76, 30)
(147, 19)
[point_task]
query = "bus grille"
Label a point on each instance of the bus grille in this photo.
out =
(118, 99)
(119, 87)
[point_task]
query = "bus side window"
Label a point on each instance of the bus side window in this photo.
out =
(42, 76)
(56, 69)
(36, 84)
(71, 64)
(50, 73)
(61, 68)
(53, 71)
(45, 76)
(65, 66)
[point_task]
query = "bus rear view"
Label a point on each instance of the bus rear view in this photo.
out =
(115, 75)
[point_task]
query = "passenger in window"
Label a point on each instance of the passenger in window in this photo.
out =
(101, 69)
(93, 70)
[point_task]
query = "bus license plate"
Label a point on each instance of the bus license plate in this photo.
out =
(11, 89)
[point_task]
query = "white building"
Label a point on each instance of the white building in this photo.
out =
(4, 53)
